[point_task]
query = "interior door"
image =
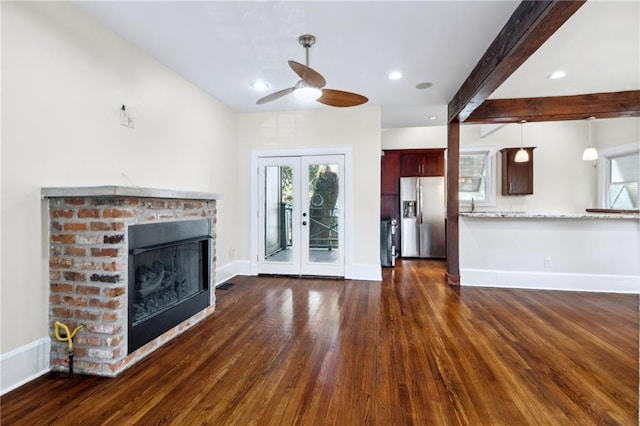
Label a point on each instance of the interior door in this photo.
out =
(301, 215)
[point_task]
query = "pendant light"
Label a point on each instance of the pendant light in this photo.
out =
(590, 154)
(522, 156)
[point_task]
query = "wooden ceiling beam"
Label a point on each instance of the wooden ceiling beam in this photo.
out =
(530, 25)
(557, 108)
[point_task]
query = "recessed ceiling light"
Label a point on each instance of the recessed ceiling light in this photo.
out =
(557, 75)
(424, 85)
(259, 85)
(395, 75)
(433, 117)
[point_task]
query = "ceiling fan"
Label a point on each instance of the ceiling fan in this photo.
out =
(310, 87)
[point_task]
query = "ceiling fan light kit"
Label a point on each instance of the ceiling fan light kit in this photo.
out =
(311, 85)
(306, 92)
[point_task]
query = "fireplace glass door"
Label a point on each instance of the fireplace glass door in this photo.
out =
(164, 278)
(169, 276)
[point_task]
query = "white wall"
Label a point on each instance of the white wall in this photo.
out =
(64, 78)
(358, 128)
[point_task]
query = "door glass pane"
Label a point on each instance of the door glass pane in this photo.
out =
(278, 200)
(323, 213)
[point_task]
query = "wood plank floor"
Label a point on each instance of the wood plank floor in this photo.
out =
(407, 351)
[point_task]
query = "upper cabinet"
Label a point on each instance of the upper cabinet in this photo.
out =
(517, 178)
(390, 172)
(423, 162)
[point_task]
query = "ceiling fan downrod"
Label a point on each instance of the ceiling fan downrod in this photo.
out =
(307, 40)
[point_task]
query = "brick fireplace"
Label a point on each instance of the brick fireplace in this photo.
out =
(89, 268)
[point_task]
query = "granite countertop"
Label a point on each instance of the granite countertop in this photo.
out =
(125, 191)
(526, 215)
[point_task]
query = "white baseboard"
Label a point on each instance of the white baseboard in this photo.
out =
(24, 364)
(364, 272)
(230, 270)
(551, 281)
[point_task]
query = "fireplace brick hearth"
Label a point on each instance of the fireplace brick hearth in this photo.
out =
(88, 268)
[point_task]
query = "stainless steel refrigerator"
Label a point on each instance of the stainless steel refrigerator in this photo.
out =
(422, 221)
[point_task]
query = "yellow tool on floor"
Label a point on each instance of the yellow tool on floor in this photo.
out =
(67, 336)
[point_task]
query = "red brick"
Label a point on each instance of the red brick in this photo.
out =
(75, 226)
(87, 265)
(60, 312)
(58, 263)
(106, 226)
(75, 301)
(56, 226)
(109, 304)
(63, 238)
(156, 204)
(108, 252)
(74, 201)
(132, 201)
(174, 205)
(193, 205)
(113, 239)
(118, 213)
(61, 288)
(74, 276)
(75, 251)
(55, 299)
(110, 316)
(84, 315)
(84, 213)
(110, 266)
(87, 289)
(79, 351)
(87, 340)
(113, 341)
(113, 292)
(88, 367)
(62, 213)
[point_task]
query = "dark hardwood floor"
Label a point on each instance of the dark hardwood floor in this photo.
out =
(409, 350)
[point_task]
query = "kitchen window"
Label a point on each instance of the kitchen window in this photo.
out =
(620, 178)
(477, 176)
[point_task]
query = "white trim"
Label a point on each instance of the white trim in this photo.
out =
(24, 364)
(603, 165)
(551, 281)
(346, 151)
(491, 174)
(371, 272)
(230, 270)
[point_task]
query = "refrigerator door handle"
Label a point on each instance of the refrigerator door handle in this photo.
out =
(419, 196)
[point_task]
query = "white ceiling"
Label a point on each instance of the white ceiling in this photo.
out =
(223, 46)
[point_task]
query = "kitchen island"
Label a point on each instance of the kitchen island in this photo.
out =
(583, 251)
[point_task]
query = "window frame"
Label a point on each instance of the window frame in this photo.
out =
(490, 175)
(604, 169)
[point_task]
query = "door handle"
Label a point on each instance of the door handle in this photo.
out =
(304, 222)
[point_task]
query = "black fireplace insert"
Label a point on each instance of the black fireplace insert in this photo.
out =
(169, 276)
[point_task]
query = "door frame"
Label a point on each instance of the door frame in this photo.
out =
(348, 197)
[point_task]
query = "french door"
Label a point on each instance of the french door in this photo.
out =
(301, 215)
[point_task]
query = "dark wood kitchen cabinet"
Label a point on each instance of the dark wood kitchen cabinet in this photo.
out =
(390, 188)
(517, 178)
(427, 162)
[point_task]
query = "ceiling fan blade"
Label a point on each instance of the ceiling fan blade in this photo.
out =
(309, 75)
(338, 98)
(274, 96)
